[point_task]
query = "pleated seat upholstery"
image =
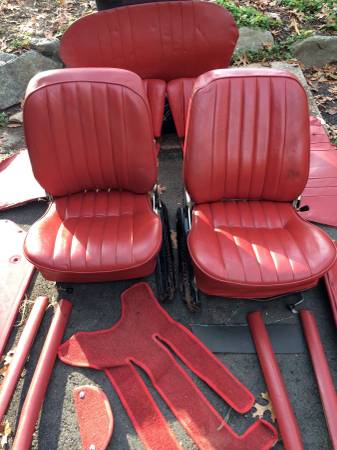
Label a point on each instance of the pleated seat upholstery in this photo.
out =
(243, 168)
(160, 41)
(90, 140)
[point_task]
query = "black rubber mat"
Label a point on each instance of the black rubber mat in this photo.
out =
(285, 338)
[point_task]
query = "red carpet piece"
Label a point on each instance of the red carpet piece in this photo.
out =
(144, 337)
(15, 275)
(17, 182)
(330, 279)
(320, 192)
(94, 417)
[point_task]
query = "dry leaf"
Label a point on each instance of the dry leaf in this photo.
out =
(173, 235)
(261, 409)
(294, 25)
(5, 433)
(332, 111)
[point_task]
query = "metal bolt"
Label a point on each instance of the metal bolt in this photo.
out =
(82, 394)
(92, 447)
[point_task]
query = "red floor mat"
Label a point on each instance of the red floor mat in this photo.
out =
(145, 337)
(94, 417)
(320, 193)
(15, 275)
(17, 182)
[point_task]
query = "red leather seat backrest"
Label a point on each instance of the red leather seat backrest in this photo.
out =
(163, 40)
(89, 129)
(247, 136)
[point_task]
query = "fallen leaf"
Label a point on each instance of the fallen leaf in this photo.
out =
(332, 111)
(5, 433)
(173, 235)
(261, 409)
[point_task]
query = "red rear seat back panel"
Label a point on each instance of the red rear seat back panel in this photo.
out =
(330, 279)
(98, 131)
(15, 275)
(112, 351)
(179, 93)
(254, 139)
(164, 40)
(155, 91)
(17, 182)
(94, 417)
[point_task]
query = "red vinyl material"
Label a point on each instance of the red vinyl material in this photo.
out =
(164, 40)
(38, 387)
(154, 336)
(97, 158)
(156, 91)
(94, 417)
(21, 353)
(86, 116)
(96, 236)
(285, 416)
(15, 275)
(243, 167)
(179, 93)
(320, 192)
(256, 249)
(17, 182)
(323, 375)
(330, 279)
(254, 138)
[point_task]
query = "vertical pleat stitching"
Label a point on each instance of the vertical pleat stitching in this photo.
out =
(112, 149)
(118, 226)
(74, 232)
(283, 246)
(105, 219)
(60, 172)
(98, 150)
(227, 105)
(237, 205)
(132, 38)
(241, 132)
(284, 115)
(254, 150)
(70, 149)
(251, 240)
(217, 239)
(270, 96)
(125, 151)
(214, 127)
(132, 228)
(85, 147)
(92, 220)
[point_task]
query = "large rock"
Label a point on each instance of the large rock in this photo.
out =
(253, 39)
(47, 47)
(15, 75)
(316, 50)
(6, 57)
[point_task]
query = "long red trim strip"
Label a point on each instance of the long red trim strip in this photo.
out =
(285, 416)
(38, 387)
(325, 383)
(21, 353)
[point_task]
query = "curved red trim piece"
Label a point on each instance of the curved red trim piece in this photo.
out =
(38, 386)
(94, 417)
(324, 379)
(21, 353)
(285, 416)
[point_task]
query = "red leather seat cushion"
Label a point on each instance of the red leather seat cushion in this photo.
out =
(164, 40)
(179, 93)
(96, 236)
(256, 249)
(156, 91)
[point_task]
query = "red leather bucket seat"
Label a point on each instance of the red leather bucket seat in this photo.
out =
(159, 41)
(91, 145)
(246, 161)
